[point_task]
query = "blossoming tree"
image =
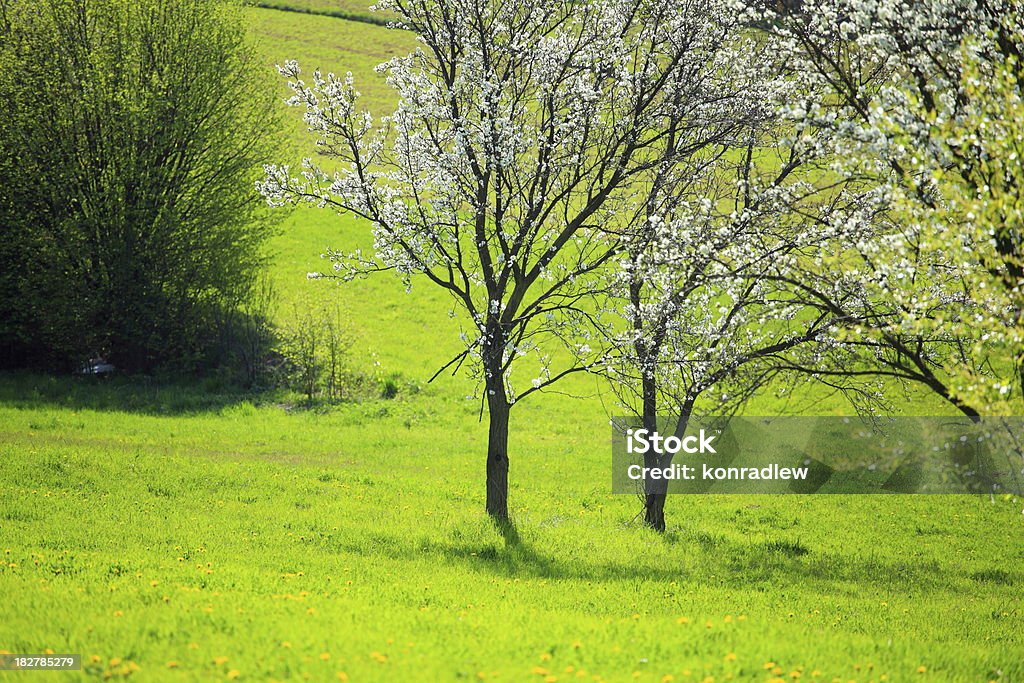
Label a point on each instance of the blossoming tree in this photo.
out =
(709, 279)
(526, 131)
(925, 98)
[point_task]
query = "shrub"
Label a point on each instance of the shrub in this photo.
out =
(131, 132)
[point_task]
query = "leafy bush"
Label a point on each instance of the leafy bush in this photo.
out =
(313, 347)
(131, 132)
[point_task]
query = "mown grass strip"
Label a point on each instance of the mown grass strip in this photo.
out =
(337, 14)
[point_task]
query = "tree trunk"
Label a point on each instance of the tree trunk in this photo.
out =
(497, 421)
(656, 490)
(654, 510)
(497, 451)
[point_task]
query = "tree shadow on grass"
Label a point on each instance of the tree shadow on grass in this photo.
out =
(702, 560)
(133, 394)
(517, 556)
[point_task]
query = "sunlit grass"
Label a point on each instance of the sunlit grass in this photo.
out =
(257, 538)
(331, 45)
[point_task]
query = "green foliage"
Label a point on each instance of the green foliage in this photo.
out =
(130, 134)
(313, 346)
(929, 111)
(985, 205)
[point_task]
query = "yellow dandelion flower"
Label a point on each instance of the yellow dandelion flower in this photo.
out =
(118, 613)
(172, 665)
(728, 619)
(550, 679)
(234, 673)
(154, 583)
(769, 665)
(731, 657)
(95, 659)
(682, 620)
(922, 669)
(285, 644)
(540, 671)
(114, 662)
(544, 657)
(324, 656)
(667, 678)
(220, 660)
(342, 676)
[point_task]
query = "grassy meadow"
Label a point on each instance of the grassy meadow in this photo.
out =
(185, 532)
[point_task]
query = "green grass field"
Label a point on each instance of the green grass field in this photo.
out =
(202, 537)
(182, 532)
